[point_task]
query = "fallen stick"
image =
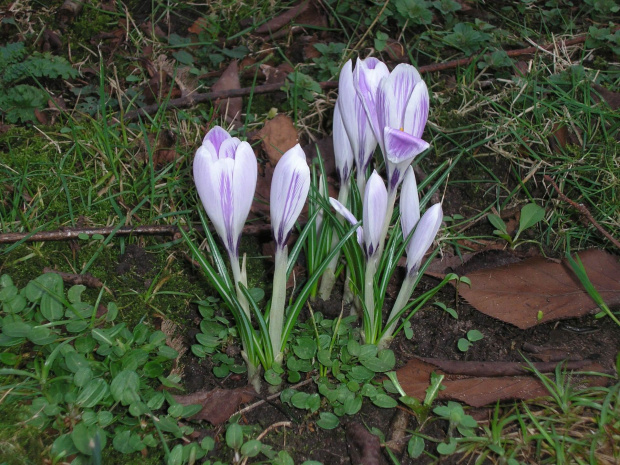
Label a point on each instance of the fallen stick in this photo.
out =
(581, 208)
(86, 279)
(67, 234)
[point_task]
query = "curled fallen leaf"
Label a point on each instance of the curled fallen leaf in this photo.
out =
(230, 108)
(218, 404)
(277, 136)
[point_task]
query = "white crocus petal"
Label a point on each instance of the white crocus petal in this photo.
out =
(393, 95)
(343, 151)
(356, 122)
(366, 78)
(423, 237)
(289, 189)
(416, 113)
(375, 208)
(409, 203)
(347, 215)
(245, 175)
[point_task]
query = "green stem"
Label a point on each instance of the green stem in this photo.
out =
(403, 297)
(369, 299)
(278, 300)
(329, 278)
(240, 278)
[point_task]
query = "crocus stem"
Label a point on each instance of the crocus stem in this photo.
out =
(369, 299)
(329, 279)
(254, 377)
(388, 217)
(403, 297)
(361, 181)
(240, 277)
(278, 300)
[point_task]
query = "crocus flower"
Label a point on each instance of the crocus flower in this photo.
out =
(356, 122)
(427, 227)
(225, 173)
(289, 190)
(374, 210)
(398, 111)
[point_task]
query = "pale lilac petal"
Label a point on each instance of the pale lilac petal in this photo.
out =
(367, 75)
(416, 113)
(409, 203)
(423, 237)
(401, 146)
(229, 148)
(343, 152)
(375, 209)
(347, 215)
(356, 122)
(225, 176)
(244, 178)
(289, 189)
(216, 136)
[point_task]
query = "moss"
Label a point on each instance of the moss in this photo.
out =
(23, 445)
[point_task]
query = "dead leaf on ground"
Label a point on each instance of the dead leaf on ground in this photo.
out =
(479, 391)
(276, 75)
(612, 98)
(218, 404)
(277, 136)
(364, 447)
(517, 293)
(231, 108)
(561, 136)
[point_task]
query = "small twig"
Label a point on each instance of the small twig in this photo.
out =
(191, 100)
(581, 208)
(286, 424)
(270, 398)
(86, 279)
(67, 234)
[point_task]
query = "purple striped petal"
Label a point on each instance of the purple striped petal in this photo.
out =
(367, 75)
(409, 203)
(375, 209)
(401, 146)
(347, 215)
(423, 237)
(289, 189)
(394, 93)
(228, 148)
(216, 136)
(416, 113)
(356, 122)
(343, 152)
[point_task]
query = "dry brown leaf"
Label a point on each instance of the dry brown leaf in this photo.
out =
(231, 107)
(612, 98)
(218, 404)
(517, 293)
(364, 447)
(199, 25)
(69, 10)
(478, 391)
(277, 136)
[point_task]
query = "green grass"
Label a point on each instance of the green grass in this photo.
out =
(94, 170)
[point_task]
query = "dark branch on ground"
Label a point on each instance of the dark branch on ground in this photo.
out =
(581, 208)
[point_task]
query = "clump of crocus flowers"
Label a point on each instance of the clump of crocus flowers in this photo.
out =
(374, 107)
